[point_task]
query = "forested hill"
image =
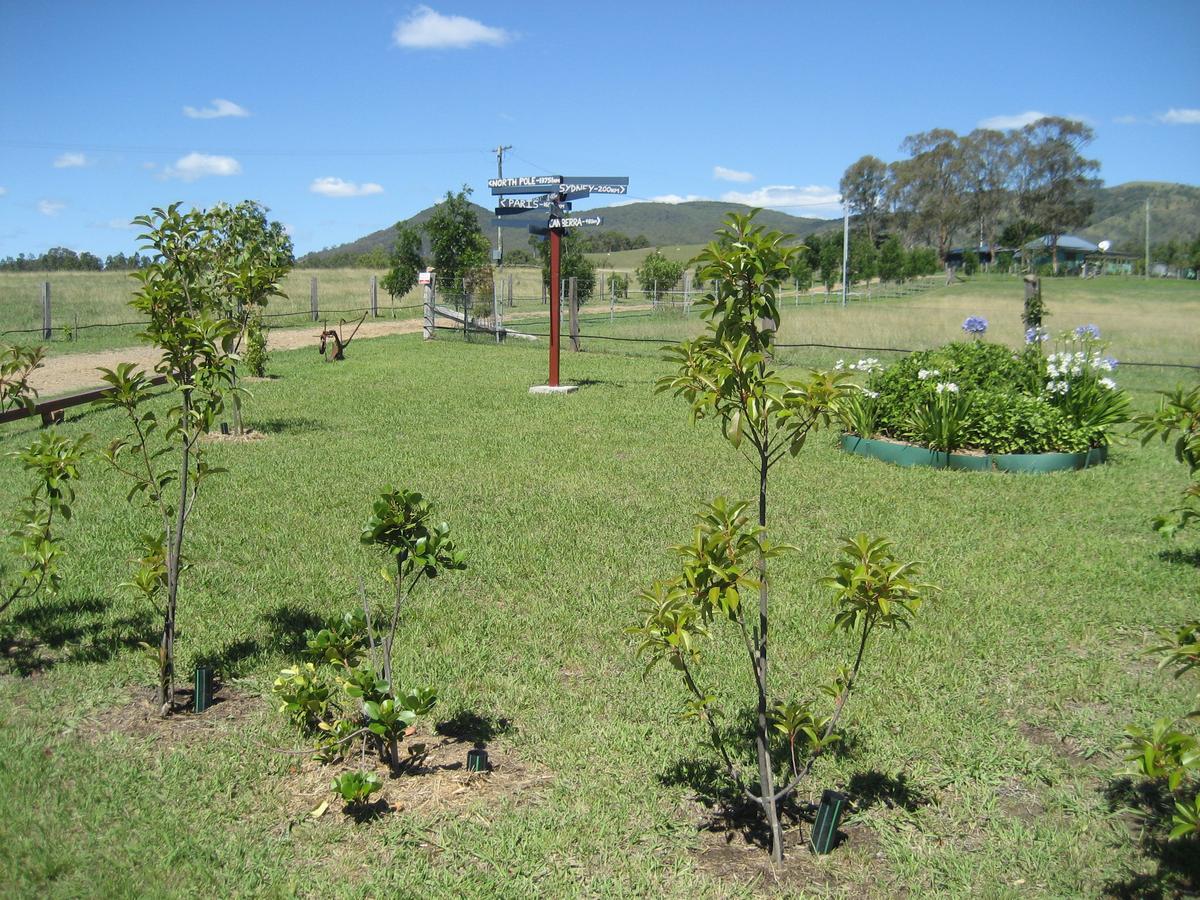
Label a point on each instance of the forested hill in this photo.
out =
(661, 223)
(1119, 216)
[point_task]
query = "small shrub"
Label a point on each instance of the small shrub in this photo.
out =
(355, 787)
(255, 357)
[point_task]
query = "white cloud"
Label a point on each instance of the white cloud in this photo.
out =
(50, 207)
(3, 190)
(724, 174)
(1126, 120)
(815, 197)
(70, 161)
(198, 165)
(427, 29)
(676, 198)
(220, 109)
(1004, 123)
(336, 187)
(1181, 117)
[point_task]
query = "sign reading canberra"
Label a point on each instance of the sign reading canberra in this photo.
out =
(574, 221)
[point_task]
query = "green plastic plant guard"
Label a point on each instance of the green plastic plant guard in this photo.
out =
(829, 816)
(477, 760)
(202, 695)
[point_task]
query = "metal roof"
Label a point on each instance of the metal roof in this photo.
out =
(1065, 242)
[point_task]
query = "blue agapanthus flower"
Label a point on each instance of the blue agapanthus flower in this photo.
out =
(1087, 331)
(975, 325)
(1036, 335)
(1111, 362)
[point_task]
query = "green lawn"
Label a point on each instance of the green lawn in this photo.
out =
(980, 750)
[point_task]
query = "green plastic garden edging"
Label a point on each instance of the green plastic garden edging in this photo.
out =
(912, 455)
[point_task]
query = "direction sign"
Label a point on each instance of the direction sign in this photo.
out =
(542, 202)
(595, 184)
(575, 221)
(525, 181)
(519, 221)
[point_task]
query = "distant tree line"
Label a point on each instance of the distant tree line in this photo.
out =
(1179, 255)
(1034, 178)
(61, 259)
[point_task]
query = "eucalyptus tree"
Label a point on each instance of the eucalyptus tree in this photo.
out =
(162, 453)
(864, 189)
(989, 165)
(1058, 182)
(927, 187)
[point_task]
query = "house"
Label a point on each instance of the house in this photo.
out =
(1075, 254)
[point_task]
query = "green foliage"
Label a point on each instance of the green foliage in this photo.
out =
(54, 461)
(255, 356)
(1001, 421)
(405, 262)
(340, 642)
(872, 588)
(1178, 416)
(940, 421)
(970, 262)
(891, 260)
(303, 696)
(572, 263)
(619, 285)
(830, 258)
(658, 275)
(864, 258)
(356, 787)
(17, 364)
(185, 297)
(801, 272)
(456, 243)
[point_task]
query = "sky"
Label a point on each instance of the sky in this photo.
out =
(345, 118)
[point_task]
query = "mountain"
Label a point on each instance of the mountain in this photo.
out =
(662, 223)
(1120, 214)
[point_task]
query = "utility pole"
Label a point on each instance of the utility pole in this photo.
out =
(845, 253)
(1147, 236)
(499, 151)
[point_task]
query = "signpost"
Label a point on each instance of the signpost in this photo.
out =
(547, 215)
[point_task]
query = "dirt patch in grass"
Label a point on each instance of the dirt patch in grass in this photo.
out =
(1064, 747)
(433, 780)
(135, 713)
(732, 848)
(247, 436)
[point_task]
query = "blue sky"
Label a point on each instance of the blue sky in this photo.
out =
(344, 118)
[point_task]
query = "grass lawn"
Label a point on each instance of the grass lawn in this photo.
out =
(981, 748)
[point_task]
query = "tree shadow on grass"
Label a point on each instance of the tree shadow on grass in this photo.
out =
(1181, 557)
(77, 630)
(469, 726)
(874, 788)
(286, 627)
(292, 425)
(1148, 807)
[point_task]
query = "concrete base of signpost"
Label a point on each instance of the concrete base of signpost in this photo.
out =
(557, 389)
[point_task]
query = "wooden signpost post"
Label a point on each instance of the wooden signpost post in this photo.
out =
(543, 205)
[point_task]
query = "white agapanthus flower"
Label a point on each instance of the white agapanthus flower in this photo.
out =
(927, 373)
(839, 365)
(1108, 383)
(948, 387)
(1058, 387)
(870, 364)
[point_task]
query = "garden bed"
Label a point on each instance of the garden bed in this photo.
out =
(908, 455)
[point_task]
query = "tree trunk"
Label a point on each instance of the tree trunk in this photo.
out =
(766, 774)
(166, 674)
(236, 400)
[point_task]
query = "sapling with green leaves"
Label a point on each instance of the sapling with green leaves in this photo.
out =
(1168, 751)
(727, 374)
(54, 461)
(162, 454)
(357, 649)
(251, 256)
(17, 364)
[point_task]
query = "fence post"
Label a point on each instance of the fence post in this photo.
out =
(574, 314)
(511, 301)
(497, 302)
(312, 298)
(543, 293)
(687, 293)
(427, 325)
(46, 331)
(374, 296)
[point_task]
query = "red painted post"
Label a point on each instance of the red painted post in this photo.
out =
(555, 302)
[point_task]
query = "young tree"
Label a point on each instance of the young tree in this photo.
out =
(1057, 181)
(573, 263)
(799, 269)
(250, 257)
(864, 188)
(727, 374)
(657, 274)
(455, 240)
(891, 260)
(164, 457)
(864, 258)
(405, 262)
(831, 260)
